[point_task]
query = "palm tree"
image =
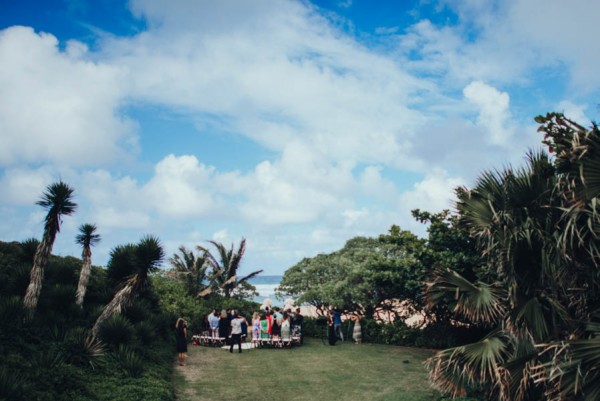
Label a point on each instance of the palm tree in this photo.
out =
(224, 272)
(189, 268)
(538, 228)
(57, 200)
(86, 238)
(147, 256)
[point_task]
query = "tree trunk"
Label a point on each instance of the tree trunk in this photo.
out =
(84, 277)
(36, 278)
(116, 306)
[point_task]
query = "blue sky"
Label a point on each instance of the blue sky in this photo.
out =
(297, 125)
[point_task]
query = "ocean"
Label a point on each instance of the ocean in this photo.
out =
(265, 286)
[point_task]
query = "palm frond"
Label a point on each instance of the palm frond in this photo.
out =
(454, 370)
(479, 302)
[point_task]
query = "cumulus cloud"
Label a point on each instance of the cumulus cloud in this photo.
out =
(180, 187)
(341, 121)
(433, 193)
(493, 110)
(57, 106)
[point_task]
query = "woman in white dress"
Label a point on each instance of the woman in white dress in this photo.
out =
(286, 331)
(357, 331)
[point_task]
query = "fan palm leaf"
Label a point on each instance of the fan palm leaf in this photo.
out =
(479, 302)
(454, 370)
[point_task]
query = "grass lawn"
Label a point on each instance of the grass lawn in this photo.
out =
(311, 372)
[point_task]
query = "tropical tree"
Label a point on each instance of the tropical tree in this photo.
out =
(224, 271)
(537, 228)
(146, 256)
(57, 200)
(189, 269)
(370, 275)
(87, 238)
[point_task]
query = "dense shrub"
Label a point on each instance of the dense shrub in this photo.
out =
(11, 384)
(131, 363)
(52, 357)
(81, 349)
(117, 330)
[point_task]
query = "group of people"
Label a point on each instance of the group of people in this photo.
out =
(270, 323)
(335, 332)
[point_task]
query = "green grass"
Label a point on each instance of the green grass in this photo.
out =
(312, 372)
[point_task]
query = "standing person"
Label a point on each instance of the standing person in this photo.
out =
(275, 327)
(286, 332)
(205, 326)
(270, 321)
(264, 327)
(213, 319)
(298, 320)
(331, 333)
(255, 326)
(181, 339)
(244, 328)
(224, 325)
(236, 332)
(357, 331)
(337, 323)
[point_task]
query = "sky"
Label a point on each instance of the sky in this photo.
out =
(294, 124)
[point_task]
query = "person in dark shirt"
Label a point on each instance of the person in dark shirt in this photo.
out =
(181, 338)
(297, 325)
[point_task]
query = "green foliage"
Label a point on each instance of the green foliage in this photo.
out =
(117, 330)
(223, 276)
(11, 384)
(121, 264)
(362, 276)
(537, 227)
(82, 350)
(131, 363)
(11, 313)
(52, 357)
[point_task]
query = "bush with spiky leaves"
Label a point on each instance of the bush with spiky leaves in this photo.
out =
(11, 312)
(11, 384)
(83, 350)
(117, 330)
(129, 360)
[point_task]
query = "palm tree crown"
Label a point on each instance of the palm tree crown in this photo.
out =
(224, 271)
(146, 257)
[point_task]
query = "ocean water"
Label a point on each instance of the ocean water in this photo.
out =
(265, 286)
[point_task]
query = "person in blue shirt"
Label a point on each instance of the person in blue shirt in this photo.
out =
(337, 324)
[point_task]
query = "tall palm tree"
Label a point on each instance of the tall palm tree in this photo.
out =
(190, 269)
(224, 271)
(87, 238)
(147, 256)
(58, 201)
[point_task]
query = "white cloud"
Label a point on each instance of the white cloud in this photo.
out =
(493, 110)
(348, 127)
(22, 186)
(57, 107)
(434, 193)
(181, 187)
(573, 111)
